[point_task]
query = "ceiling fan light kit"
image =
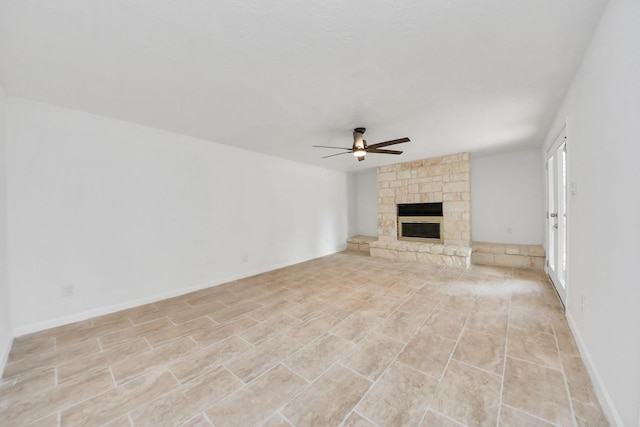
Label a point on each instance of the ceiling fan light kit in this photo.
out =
(360, 147)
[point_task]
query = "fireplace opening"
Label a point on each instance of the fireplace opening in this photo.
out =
(424, 230)
(420, 209)
(420, 222)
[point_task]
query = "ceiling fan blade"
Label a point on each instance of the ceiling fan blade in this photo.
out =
(346, 152)
(326, 146)
(392, 142)
(375, 150)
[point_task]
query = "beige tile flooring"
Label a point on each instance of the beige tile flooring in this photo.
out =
(341, 340)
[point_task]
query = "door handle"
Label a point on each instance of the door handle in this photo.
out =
(555, 226)
(553, 214)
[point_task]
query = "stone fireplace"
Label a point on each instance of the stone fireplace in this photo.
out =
(445, 180)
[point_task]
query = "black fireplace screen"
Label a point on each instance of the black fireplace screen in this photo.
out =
(424, 230)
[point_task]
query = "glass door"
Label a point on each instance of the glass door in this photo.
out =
(557, 214)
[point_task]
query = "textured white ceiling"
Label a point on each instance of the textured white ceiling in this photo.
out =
(279, 76)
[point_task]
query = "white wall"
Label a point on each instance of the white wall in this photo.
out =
(128, 214)
(507, 197)
(6, 334)
(603, 149)
(367, 207)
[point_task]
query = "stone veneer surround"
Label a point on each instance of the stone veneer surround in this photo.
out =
(445, 179)
(508, 255)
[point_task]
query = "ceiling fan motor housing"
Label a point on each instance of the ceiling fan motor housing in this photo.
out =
(358, 140)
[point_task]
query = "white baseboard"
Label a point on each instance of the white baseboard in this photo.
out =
(608, 407)
(5, 349)
(77, 317)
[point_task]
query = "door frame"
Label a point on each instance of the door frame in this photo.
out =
(560, 281)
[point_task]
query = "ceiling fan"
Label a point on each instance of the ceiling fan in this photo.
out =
(360, 147)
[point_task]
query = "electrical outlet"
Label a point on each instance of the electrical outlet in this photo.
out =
(66, 290)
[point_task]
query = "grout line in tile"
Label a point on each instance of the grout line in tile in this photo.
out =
(533, 416)
(337, 362)
(366, 418)
(530, 330)
(566, 382)
(191, 338)
(534, 363)
(187, 382)
(206, 417)
(445, 416)
(193, 417)
(113, 377)
(251, 344)
(504, 361)
(148, 343)
(466, 320)
(395, 359)
(59, 409)
(462, 362)
(244, 384)
(279, 412)
(308, 385)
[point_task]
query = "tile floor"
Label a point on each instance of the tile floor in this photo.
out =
(341, 340)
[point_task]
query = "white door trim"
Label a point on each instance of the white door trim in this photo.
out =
(556, 212)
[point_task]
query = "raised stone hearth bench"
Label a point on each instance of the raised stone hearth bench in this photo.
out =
(360, 243)
(508, 255)
(427, 253)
